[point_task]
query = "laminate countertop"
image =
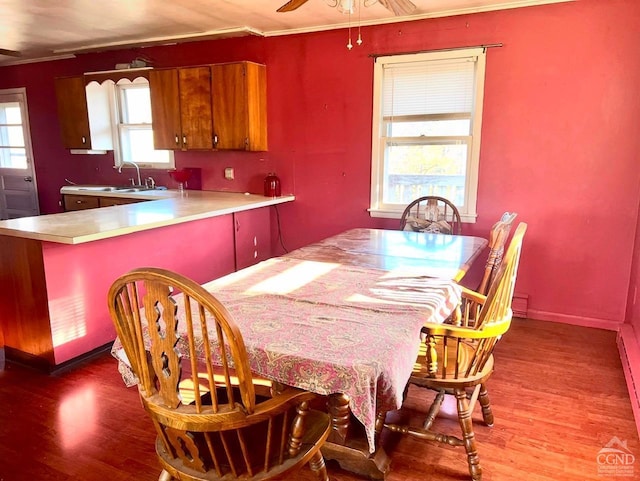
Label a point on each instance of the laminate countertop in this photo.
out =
(173, 207)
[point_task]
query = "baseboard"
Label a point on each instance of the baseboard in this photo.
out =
(629, 349)
(607, 324)
(27, 359)
(40, 364)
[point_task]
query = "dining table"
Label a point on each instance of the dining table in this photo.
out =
(342, 317)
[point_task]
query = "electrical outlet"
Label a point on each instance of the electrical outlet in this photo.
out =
(228, 173)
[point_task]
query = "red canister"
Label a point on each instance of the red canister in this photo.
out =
(272, 185)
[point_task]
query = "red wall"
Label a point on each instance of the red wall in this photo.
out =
(560, 97)
(78, 276)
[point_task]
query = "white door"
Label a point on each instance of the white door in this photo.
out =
(18, 191)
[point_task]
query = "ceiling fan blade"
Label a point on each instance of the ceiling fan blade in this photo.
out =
(291, 5)
(10, 53)
(398, 7)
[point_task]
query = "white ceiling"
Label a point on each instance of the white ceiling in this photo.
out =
(41, 29)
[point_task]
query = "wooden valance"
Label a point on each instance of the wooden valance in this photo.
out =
(116, 75)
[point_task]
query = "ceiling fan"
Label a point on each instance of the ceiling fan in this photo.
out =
(398, 7)
(10, 53)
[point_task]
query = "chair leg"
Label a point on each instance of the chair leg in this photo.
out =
(485, 404)
(464, 418)
(380, 419)
(433, 410)
(316, 464)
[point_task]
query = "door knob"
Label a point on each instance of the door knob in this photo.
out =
(28, 179)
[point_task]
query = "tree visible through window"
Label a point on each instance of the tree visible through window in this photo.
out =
(426, 129)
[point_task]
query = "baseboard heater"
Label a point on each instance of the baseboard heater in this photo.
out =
(629, 355)
(520, 304)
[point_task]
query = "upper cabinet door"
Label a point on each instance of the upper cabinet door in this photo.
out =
(195, 107)
(239, 92)
(181, 108)
(165, 109)
(73, 113)
(84, 112)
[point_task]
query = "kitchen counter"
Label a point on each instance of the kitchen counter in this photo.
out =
(163, 208)
(127, 192)
(57, 269)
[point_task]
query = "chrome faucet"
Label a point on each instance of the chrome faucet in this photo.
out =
(137, 169)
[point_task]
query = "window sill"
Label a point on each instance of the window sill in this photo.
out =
(394, 214)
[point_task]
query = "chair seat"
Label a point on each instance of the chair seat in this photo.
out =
(447, 378)
(261, 385)
(319, 423)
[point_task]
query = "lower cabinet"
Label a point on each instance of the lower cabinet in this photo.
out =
(252, 236)
(81, 202)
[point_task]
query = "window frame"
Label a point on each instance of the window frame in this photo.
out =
(378, 208)
(119, 126)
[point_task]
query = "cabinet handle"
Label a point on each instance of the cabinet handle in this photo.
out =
(184, 139)
(215, 140)
(78, 202)
(84, 139)
(177, 140)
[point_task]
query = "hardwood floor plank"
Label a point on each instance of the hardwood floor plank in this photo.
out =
(558, 394)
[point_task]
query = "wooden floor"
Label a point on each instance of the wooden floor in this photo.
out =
(558, 394)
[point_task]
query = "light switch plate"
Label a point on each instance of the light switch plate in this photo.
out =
(228, 173)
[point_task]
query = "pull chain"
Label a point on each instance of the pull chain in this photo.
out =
(349, 45)
(359, 41)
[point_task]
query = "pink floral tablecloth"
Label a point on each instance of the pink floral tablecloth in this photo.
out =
(334, 328)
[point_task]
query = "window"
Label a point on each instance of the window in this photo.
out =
(427, 112)
(134, 139)
(13, 154)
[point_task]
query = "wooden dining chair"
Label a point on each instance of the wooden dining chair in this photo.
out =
(497, 240)
(456, 359)
(431, 214)
(210, 423)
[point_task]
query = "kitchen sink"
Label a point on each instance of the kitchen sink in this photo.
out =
(112, 188)
(141, 188)
(97, 188)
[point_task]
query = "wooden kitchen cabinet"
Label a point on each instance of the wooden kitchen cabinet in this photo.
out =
(81, 202)
(239, 92)
(221, 106)
(84, 114)
(181, 108)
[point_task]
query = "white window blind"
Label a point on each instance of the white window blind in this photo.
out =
(427, 119)
(426, 88)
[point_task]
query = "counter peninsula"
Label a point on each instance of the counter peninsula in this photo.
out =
(56, 269)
